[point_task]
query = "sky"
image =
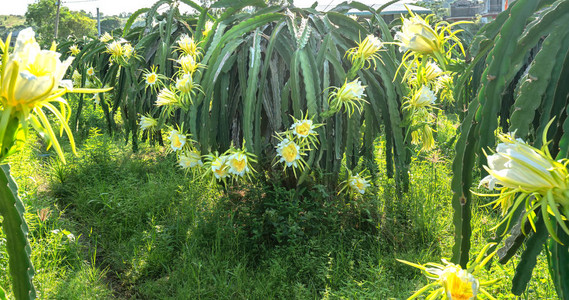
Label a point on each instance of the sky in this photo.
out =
(115, 7)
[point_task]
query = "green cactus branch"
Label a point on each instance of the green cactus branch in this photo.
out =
(16, 230)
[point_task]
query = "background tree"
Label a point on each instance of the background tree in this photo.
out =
(41, 16)
(109, 24)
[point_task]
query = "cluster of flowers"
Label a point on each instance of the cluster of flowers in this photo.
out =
(181, 93)
(233, 163)
(349, 96)
(178, 95)
(120, 50)
(296, 143)
(425, 61)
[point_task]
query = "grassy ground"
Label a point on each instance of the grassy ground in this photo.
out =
(112, 224)
(10, 21)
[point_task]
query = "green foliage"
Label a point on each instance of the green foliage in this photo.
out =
(16, 230)
(516, 83)
(41, 16)
(166, 235)
(109, 24)
(260, 70)
(10, 23)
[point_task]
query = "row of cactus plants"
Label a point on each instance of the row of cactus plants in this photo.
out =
(250, 82)
(253, 74)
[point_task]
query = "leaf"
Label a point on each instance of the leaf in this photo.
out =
(528, 260)
(132, 18)
(16, 231)
(558, 260)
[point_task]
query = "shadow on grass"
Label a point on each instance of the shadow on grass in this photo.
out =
(158, 234)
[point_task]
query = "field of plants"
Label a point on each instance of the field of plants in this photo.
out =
(249, 151)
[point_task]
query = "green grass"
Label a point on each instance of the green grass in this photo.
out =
(123, 225)
(10, 21)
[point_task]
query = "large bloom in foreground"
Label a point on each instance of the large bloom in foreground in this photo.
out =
(31, 75)
(519, 171)
(452, 282)
(516, 164)
(32, 79)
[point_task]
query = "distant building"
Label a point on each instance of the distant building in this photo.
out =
(389, 13)
(471, 9)
(494, 7)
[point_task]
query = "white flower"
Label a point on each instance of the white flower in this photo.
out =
(190, 159)
(353, 90)
(289, 152)
(207, 28)
(105, 37)
(416, 35)
(185, 83)
(188, 64)
(518, 165)
(177, 140)
(96, 99)
(357, 183)
(90, 71)
(151, 78)
(74, 49)
(458, 283)
(188, 46)
(147, 123)
(115, 48)
(238, 164)
(166, 97)
(302, 128)
(432, 71)
(76, 78)
(423, 97)
(369, 47)
(219, 167)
